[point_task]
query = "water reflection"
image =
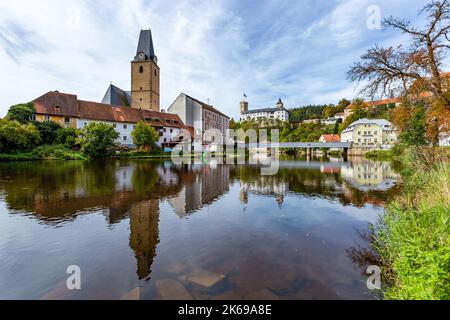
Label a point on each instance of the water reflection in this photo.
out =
(140, 192)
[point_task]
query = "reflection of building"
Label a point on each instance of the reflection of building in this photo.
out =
(144, 234)
(201, 185)
(369, 175)
(374, 133)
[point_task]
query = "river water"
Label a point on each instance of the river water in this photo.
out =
(152, 229)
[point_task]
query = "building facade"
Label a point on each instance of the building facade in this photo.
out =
(202, 118)
(372, 133)
(277, 113)
(78, 114)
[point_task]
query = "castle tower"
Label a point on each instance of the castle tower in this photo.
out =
(244, 106)
(280, 104)
(145, 75)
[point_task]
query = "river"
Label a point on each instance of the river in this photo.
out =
(152, 229)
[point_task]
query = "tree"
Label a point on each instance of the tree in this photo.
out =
(15, 136)
(21, 112)
(396, 69)
(98, 140)
(359, 112)
(67, 136)
(145, 136)
(415, 130)
(48, 131)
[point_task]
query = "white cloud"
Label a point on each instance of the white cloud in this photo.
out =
(211, 49)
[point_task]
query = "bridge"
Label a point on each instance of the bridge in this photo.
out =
(309, 146)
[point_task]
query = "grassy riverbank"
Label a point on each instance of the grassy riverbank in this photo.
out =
(413, 239)
(45, 152)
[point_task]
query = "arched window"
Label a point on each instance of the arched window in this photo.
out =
(141, 69)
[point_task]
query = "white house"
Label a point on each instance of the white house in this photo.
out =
(279, 112)
(371, 133)
(79, 113)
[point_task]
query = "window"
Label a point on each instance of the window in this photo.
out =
(124, 138)
(171, 130)
(141, 69)
(47, 118)
(66, 120)
(33, 117)
(125, 126)
(155, 73)
(114, 125)
(85, 124)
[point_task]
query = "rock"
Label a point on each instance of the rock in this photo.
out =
(170, 289)
(204, 278)
(134, 294)
(262, 295)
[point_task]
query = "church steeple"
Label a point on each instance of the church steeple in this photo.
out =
(145, 77)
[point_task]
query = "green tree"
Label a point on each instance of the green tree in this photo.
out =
(415, 131)
(21, 112)
(98, 140)
(67, 136)
(15, 136)
(145, 136)
(359, 112)
(48, 131)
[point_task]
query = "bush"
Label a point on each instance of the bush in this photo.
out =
(47, 130)
(145, 136)
(67, 136)
(21, 112)
(55, 152)
(98, 140)
(16, 137)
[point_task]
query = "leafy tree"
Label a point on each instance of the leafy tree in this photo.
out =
(343, 103)
(98, 140)
(21, 112)
(359, 112)
(15, 136)
(48, 131)
(414, 133)
(145, 136)
(67, 136)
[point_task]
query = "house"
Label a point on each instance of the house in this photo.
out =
(330, 138)
(372, 133)
(68, 110)
(201, 116)
(316, 121)
(276, 113)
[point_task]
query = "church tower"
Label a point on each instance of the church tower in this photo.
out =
(145, 75)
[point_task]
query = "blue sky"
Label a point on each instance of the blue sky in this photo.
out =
(298, 50)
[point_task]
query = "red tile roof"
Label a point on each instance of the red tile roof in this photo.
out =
(56, 103)
(331, 137)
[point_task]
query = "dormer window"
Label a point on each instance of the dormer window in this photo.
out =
(57, 109)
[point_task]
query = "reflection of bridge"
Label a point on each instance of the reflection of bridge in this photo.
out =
(309, 146)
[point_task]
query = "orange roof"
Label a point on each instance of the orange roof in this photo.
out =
(55, 103)
(332, 137)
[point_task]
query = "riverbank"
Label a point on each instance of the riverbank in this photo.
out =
(413, 238)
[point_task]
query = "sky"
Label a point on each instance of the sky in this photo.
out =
(216, 51)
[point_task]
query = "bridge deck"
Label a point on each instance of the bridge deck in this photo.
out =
(304, 145)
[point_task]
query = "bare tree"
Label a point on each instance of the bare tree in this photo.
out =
(397, 68)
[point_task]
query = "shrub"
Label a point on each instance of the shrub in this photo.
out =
(15, 136)
(98, 140)
(67, 136)
(55, 152)
(47, 130)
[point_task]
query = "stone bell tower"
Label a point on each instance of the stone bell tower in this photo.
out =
(145, 78)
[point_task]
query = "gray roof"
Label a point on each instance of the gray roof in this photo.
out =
(117, 96)
(264, 110)
(381, 122)
(145, 45)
